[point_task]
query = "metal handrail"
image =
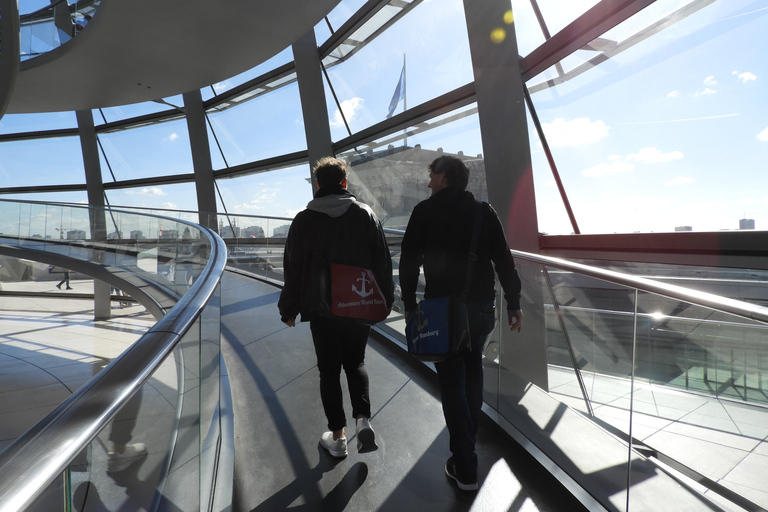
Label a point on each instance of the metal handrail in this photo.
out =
(36, 458)
(707, 300)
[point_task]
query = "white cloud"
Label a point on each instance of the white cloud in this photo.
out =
(170, 206)
(606, 169)
(172, 137)
(249, 206)
(673, 94)
(747, 77)
(763, 135)
(710, 80)
(704, 92)
(292, 213)
(580, 131)
(654, 156)
(350, 108)
(147, 191)
(680, 180)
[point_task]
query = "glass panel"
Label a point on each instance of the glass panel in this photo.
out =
(50, 197)
(21, 123)
(263, 127)
(284, 57)
(122, 112)
(181, 196)
(50, 161)
(686, 89)
(276, 193)
(365, 83)
(164, 151)
(337, 17)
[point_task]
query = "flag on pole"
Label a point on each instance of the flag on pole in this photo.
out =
(399, 93)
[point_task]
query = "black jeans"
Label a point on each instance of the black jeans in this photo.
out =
(461, 391)
(341, 344)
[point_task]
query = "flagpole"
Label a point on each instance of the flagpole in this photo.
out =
(405, 101)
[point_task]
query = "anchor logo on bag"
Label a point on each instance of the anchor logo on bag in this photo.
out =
(362, 292)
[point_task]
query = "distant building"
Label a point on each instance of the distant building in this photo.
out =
(76, 234)
(394, 180)
(683, 228)
(254, 232)
(137, 234)
(747, 224)
(281, 231)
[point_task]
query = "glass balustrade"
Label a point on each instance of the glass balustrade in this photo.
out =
(174, 414)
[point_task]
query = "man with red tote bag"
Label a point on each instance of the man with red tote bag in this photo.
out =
(338, 277)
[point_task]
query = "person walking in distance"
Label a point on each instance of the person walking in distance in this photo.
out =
(337, 228)
(438, 239)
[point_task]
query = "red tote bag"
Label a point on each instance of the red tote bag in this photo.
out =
(356, 294)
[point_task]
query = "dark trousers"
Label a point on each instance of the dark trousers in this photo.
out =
(341, 344)
(461, 391)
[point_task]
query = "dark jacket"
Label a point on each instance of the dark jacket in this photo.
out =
(438, 238)
(335, 226)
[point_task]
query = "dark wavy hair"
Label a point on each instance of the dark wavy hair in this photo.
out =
(456, 173)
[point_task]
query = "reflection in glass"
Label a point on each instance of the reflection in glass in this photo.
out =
(391, 174)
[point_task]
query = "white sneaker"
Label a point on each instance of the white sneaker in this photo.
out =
(121, 461)
(366, 438)
(337, 448)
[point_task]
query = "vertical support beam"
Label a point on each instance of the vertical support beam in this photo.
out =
(509, 173)
(313, 104)
(201, 159)
(9, 50)
(102, 306)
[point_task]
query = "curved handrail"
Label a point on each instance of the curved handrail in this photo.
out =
(708, 300)
(43, 452)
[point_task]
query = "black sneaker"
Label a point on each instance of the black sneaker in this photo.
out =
(450, 471)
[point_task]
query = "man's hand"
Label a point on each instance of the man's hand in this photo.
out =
(515, 319)
(291, 322)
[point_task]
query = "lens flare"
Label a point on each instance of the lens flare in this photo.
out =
(498, 35)
(509, 18)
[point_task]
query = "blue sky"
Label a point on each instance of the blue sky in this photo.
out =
(672, 131)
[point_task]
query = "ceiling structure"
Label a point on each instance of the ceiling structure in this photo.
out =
(142, 50)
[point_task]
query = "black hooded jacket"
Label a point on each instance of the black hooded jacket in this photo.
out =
(438, 238)
(336, 227)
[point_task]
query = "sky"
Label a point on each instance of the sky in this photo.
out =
(672, 131)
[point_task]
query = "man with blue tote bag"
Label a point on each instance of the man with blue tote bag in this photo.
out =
(439, 239)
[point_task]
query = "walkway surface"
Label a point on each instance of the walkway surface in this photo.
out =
(279, 464)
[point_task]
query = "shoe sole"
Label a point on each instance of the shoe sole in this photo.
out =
(462, 486)
(366, 440)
